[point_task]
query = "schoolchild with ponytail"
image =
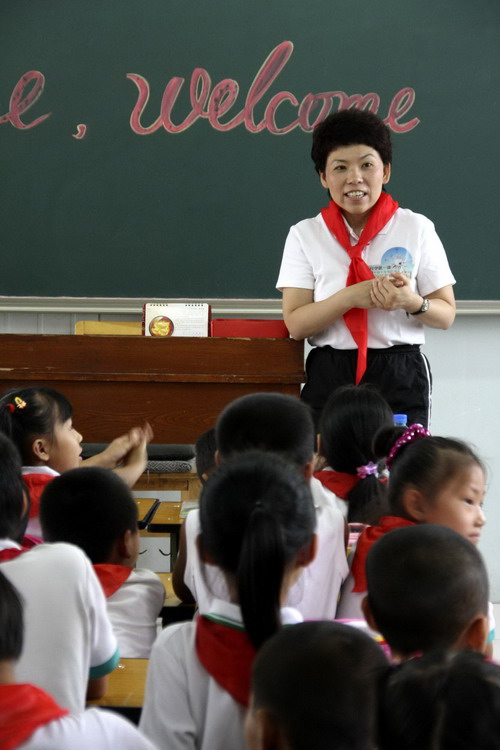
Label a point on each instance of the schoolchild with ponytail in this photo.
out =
(39, 421)
(257, 526)
(350, 419)
(431, 480)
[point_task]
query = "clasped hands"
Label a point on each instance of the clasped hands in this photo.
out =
(386, 293)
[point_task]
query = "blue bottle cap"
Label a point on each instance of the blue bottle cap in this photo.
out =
(401, 420)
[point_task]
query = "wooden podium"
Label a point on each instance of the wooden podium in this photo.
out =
(179, 385)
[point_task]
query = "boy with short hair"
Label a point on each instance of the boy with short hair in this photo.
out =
(31, 718)
(279, 424)
(427, 589)
(94, 509)
(324, 696)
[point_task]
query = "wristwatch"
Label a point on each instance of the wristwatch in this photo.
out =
(425, 306)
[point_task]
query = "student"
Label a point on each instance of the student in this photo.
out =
(444, 700)
(350, 419)
(14, 502)
(364, 277)
(427, 589)
(257, 527)
(432, 480)
(323, 697)
(30, 719)
(281, 425)
(95, 510)
(39, 421)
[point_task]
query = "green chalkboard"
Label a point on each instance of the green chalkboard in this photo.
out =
(160, 148)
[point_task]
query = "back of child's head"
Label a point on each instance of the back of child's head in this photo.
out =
(347, 128)
(268, 422)
(350, 419)
(89, 507)
(256, 516)
(28, 413)
(13, 494)
(204, 449)
(317, 683)
(11, 621)
(423, 462)
(441, 701)
(426, 586)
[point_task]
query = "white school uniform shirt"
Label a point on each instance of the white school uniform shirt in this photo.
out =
(67, 633)
(313, 259)
(91, 730)
(316, 591)
(184, 707)
(133, 610)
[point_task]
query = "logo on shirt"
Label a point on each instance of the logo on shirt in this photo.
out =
(394, 260)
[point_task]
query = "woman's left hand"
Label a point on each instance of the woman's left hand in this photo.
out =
(395, 293)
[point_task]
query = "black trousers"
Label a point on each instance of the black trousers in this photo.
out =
(401, 374)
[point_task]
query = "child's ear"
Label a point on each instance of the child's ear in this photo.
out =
(40, 448)
(127, 545)
(319, 444)
(262, 732)
(217, 458)
(367, 612)
(475, 636)
(308, 470)
(415, 505)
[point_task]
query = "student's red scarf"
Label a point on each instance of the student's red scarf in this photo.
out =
(10, 554)
(23, 709)
(337, 482)
(356, 319)
(111, 577)
(228, 655)
(36, 483)
(368, 538)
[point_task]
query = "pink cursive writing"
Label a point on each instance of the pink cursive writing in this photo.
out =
(23, 98)
(214, 103)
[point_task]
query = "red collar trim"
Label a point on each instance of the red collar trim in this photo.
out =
(366, 540)
(111, 577)
(23, 709)
(227, 654)
(337, 482)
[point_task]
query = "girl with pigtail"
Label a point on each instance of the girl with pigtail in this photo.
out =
(39, 421)
(431, 480)
(257, 526)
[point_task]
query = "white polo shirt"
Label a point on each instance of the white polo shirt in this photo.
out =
(67, 634)
(313, 259)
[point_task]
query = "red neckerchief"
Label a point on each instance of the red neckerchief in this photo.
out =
(227, 654)
(356, 319)
(36, 484)
(368, 537)
(111, 577)
(337, 482)
(23, 709)
(10, 554)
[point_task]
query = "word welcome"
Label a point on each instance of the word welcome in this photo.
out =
(214, 103)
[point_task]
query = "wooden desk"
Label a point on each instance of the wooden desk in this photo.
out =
(126, 685)
(187, 483)
(167, 520)
(180, 385)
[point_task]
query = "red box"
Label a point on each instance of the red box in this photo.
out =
(247, 328)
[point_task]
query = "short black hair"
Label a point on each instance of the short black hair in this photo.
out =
(425, 464)
(347, 128)
(43, 408)
(204, 450)
(444, 699)
(426, 584)
(90, 507)
(269, 422)
(318, 679)
(256, 515)
(350, 419)
(11, 621)
(12, 492)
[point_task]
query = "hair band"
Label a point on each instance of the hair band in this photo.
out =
(414, 432)
(20, 404)
(367, 470)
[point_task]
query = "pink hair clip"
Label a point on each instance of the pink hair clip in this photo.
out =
(413, 432)
(367, 470)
